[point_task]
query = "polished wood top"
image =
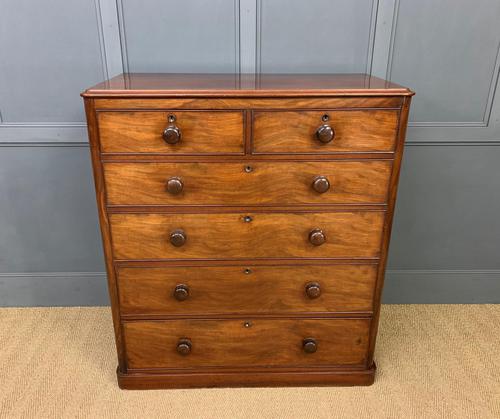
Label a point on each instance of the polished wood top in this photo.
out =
(244, 85)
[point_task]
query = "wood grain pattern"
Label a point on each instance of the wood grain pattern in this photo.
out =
(386, 236)
(229, 183)
(249, 103)
(246, 289)
(141, 132)
(227, 236)
(230, 343)
(295, 131)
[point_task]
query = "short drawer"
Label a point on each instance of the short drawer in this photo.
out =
(246, 289)
(355, 234)
(188, 132)
(246, 342)
(325, 131)
(253, 183)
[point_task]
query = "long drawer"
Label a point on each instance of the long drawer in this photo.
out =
(189, 132)
(246, 289)
(304, 131)
(250, 342)
(255, 183)
(354, 234)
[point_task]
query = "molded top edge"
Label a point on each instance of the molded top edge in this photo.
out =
(244, 85)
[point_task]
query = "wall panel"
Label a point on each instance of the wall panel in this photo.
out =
(48, 214)
(295, 36)
(448, 52)
(180, 35)
(50, 52)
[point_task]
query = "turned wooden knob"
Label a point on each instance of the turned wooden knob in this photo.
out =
(313, 290)
(317, 237)
(175, 185)
(309, 345)
(325, 133)
(181, 292)
(172, 134)
(184, 346)
(321, 184)
(178, 238)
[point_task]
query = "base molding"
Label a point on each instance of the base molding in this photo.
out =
(270, 377)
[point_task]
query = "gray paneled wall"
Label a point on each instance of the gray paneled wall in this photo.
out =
(446, 239)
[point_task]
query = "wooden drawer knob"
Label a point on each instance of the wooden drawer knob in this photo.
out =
(325, 133)
(175, 185)
(178, 238)
(309, 345)
(172, 134)
(184, 346)
(317, 237)
(313, 290)
(181, 292)
(321, 184)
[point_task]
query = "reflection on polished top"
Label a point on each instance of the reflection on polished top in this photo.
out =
(170, 84)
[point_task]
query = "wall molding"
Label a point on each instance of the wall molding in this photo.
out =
(480, 286)
(248, 36)
(437, 143)
(371, 36)
(109, 36)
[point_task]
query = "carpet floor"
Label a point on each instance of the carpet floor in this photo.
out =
(434, 361)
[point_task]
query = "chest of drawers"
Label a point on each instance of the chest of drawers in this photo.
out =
(245, 221)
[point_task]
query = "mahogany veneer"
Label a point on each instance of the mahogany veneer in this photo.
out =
(246, 221)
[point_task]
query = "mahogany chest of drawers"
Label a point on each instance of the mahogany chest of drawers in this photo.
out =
(246, 221)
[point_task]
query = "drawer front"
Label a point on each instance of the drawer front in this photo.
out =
(201, 132)
(249, 342)
(258, 235)
(256, 183)
(296, 132)
(246, 289)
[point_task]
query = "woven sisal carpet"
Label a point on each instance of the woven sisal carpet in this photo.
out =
(434, 361)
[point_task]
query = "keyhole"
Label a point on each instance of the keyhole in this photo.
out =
(325, 117)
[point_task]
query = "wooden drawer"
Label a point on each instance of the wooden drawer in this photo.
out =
(257, 183)
(202, 132)
(295, 132)
(246, 289)
(248, 342)
(233, 235)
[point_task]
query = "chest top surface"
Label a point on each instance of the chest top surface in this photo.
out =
(244, 85)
